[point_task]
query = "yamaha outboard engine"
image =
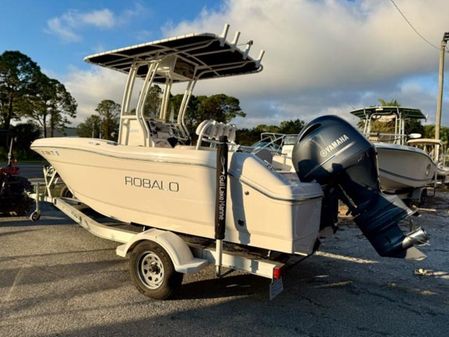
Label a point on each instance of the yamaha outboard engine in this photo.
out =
(336, 155)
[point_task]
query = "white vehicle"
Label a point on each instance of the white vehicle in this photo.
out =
(402, 168)
(155, 178)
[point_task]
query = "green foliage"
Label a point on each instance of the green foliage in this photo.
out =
(250, 136)
(104, 125)
(291, 126)
(247, 136)
(18, 83)
(429, 132)
(90, 128)
(23, 134)
(413, 126)
(392, 102)
(51, 105)
(27, 92)
(220, 107)
(192, 116)
(109, 112)
(153, 101)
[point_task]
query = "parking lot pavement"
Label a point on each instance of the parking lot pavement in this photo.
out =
(56, 279)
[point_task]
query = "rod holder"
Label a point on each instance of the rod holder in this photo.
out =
(259, 59)
(235, 41)
(224, 34)
(248, 47)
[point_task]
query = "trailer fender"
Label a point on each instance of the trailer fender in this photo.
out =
(177, 249)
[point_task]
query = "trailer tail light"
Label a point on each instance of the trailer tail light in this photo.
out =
(277, 273)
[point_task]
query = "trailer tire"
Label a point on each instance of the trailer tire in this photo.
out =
(35, 216)
(65, 193)
(152, 271)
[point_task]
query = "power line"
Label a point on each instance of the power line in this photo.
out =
(412, 27)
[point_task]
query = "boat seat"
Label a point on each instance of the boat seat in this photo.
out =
(162, 134)
(210, 131)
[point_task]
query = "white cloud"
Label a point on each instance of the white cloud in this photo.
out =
(90, 87)
(58, 27)
(317, 48)
(321, 57)
(103, 18)
(68, 26)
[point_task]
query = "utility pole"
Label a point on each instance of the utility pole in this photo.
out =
(440, 93)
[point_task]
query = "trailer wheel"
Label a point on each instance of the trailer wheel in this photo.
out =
(65, 193)
(35, 216)
(152, 271)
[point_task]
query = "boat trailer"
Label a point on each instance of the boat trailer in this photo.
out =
(176, 254)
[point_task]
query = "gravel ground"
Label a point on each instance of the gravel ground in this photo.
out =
(56, 279)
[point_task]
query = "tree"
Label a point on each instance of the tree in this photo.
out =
(104, 125)
(291, 126)
(267, 128)
(192, 116)
(51, 105)
(63, 106)
(109, 112)
(90, 127)
(251, 136)
(247, 136)
(392, 102)
(153, 101)
(429, 132)
(18, 74)
(25, 134)
(220, 107)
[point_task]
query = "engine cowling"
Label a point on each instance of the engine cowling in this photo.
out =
(332, 152)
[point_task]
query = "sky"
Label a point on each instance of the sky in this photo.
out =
(321, 56)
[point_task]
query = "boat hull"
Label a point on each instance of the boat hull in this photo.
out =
(403, 167)
(174, 189)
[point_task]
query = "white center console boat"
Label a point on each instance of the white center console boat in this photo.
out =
(154, 177)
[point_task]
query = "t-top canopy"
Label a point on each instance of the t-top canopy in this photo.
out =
(211, 54)
(388, 110)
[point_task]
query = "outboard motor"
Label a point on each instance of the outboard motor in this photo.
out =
(336, 155)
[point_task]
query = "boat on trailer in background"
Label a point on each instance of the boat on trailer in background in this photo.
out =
(187, 197)
(403, 169)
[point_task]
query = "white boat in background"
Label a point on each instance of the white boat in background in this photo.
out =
(429, 145)
(403, 169)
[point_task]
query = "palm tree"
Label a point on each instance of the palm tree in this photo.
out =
(392, 102)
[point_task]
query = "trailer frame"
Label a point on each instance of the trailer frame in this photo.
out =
(188, 253)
